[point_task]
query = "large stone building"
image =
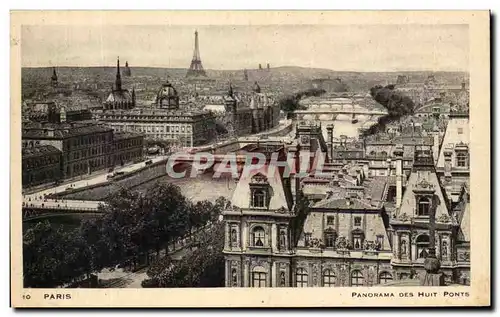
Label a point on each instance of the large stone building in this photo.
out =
(244, 113)
(345, 226)
(41, 164)
(85, 147)
(127, 147)
(165, 120)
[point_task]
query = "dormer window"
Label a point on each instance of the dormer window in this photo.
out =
(424, 205)
(282, 240)
(258, 198)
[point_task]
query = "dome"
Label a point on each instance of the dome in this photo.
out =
(167, 90)
(167, 97)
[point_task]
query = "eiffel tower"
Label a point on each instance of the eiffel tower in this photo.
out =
(196, 69)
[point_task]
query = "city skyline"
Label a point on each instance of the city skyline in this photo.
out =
(411, 47)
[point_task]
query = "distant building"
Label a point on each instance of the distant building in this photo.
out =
(127, 72)
(85, 147)
(41, 164)
(329, 85)
(165, 121)
(54, 112)
(119, 98)
(244, 113)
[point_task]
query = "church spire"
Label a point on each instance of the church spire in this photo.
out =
(118, 81)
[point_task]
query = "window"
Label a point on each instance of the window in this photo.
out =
(258, 237)
(234, 278)
(258, 198)
(357, 278)
(357, 221)
(385, 277)
(422, 246)
(328, 278)
(423, 206)
(301, 277)
(380, 242)
(307, 238)
(282, 240)
(462, 159)
(460, 130)
(330, 220)
(258, 279)
(357, 239)
(330, 237)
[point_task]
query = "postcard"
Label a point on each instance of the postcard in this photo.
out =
(250, 158)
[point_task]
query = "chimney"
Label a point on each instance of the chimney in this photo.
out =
(398, 154)
(329, 129)
(463, 85)
(448, 152)
(50, 132)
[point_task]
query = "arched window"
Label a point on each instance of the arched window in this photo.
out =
(258, 236)
(357, 278)
(258, 198)
(373, 153)
(444, 249)
(422, 243)
(328, 278)
(383, 154)
(424, 205)
(385, 277)
(462, 159)
(301, 277)
(282, 240)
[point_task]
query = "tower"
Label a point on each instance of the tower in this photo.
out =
(196, 68)
(118, 80)
(268, 67)
(245, 75)
(54, 77)
(260, 66)
(127, 71)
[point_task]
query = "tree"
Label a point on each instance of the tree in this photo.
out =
(202, 267)
(52, 256)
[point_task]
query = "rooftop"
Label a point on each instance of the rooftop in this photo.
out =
(39, 150)
(34, 130)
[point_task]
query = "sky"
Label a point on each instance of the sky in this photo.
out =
(337, 47)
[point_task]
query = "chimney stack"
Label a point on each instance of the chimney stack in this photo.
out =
(329, 129)
(398, 154)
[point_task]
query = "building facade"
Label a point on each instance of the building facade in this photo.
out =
(41, 164)
(165, 121)
(85, 147)
(127, 147)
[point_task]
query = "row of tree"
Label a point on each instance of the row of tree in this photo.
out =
(132, 226)
(203, 266)
(290, 103)
(396, 103)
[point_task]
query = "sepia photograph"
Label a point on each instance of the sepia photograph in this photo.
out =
(273, 150)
